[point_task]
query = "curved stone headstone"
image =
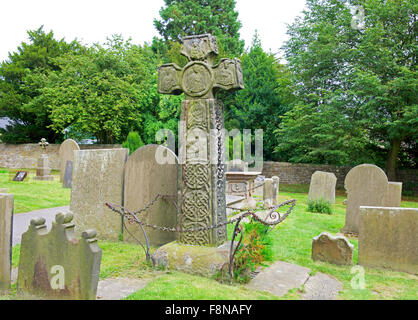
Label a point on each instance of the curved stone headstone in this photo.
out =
(98, 179)
(66, 153)
(322, 186)
(337, 250)
(149, 171)
(366, 185)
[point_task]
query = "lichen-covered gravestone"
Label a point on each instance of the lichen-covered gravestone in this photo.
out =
(336, 250)
(388, 238)
(6, 222)
(150, 171)
(66, 153)
(322, 186)
(202, 201)
(98, 179)
(57, 265)
(366, 185)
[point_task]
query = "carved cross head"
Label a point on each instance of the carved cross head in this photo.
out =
(200, 79)
(43, 144)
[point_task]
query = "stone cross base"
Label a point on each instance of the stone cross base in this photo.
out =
(192, 259)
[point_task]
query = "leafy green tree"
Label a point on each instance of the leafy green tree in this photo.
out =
(355, 87)
(181, 18)
(22, 76)
(104, 91)
(260, 104)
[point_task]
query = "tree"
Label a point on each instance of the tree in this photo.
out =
(104, 91)
(363, 82)
(133, 141)
(181, 18)
(260, 105)
(22, 77)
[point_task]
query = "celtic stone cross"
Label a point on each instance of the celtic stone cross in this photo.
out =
(202, 174)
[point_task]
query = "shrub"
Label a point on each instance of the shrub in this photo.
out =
(255, 249)
(133, 142)
(320, 206)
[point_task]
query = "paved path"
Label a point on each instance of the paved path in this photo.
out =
(281, 277)
(21, 221)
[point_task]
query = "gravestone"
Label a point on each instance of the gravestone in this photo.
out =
(145, 178)
(43, 171)
(98, 179)
(6, 222)
(202, 150)
(394, 195)
(68, 176)
(366, 185)
(268, 193)
(56, 264)
(275, 186)
(336, 250)
(322, 186)
(66, 153)
(259, 186)
(20, 176)
(388, 238)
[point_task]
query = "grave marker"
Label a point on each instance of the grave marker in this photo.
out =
(322, 186)
(6, 222)
(56, 264)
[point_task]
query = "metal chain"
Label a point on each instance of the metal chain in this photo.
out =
(130, 216)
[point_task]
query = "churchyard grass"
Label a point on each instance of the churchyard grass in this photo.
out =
(292, 242)
(32, 195)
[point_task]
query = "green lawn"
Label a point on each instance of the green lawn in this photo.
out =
(32, 195)
(292, 243)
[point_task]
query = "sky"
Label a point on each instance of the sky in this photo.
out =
(93, 20)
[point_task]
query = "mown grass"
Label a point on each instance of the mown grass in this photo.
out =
(292, 242)
(32, 195)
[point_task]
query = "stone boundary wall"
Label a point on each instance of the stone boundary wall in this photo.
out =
(26, 155)
(300, 173)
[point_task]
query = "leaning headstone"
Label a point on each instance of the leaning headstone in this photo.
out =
(276, 182)
(336, 250)
(6, 222)
(366, 185)
(322, 186)
(68, 176)
(393, 196)
(66, 153)
(151, 171)
(58, 265)
(98, 179)
(388, 238)
(268, 193)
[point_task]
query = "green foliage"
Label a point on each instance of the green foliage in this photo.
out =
(356, 98)
(133, 141)
(259, 105)
(320, 206)
(254, 251)
(181, 18)
(22, 78)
